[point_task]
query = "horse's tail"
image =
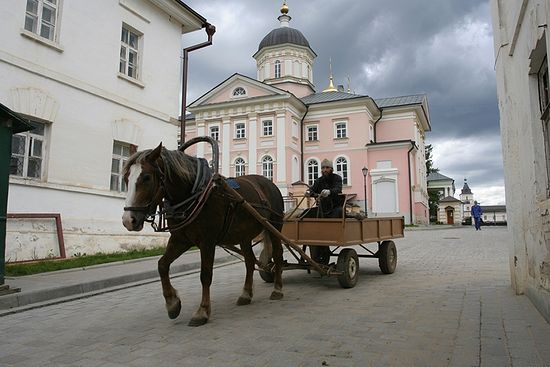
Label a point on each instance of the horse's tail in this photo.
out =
(267, 253)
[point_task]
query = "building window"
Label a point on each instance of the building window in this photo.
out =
(239, 167)
(340, 130)
(240, 131)
(215, 132)
(312, 133)
(27, 152)
(342, 169)
(121, 152)
(277, 69)
(41, 18)
(267, 128)
(129, 52)
(312, 171)
(239, 91)
(267, 167)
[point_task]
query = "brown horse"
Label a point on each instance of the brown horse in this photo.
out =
(201, 214)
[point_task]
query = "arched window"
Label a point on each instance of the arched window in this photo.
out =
(342, 169)
(267, 167)
(277, 69)
(312, 171)
(239, 167)
(239, 91)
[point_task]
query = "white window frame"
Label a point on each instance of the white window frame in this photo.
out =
(340, 132)
(267, 127)
(240, 167)
(128, 49)
(277, 68)
(29, 153)
(214, 134)
(116, 172)
(240, 131)
(344, 172)
(38, 23)
(312, 170)
(267, 167)
(309, 133)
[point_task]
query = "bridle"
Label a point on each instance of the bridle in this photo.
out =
(150, 208)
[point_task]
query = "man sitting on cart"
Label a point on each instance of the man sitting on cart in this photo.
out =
(328, 187)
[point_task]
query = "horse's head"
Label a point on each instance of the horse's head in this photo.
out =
(142, 175)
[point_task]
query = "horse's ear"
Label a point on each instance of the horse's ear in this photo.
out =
(154, 155)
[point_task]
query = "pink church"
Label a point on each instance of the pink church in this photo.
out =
(277, 125)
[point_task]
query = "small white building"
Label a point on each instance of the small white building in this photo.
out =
(522, 42)
(98, 80)
(494, 214)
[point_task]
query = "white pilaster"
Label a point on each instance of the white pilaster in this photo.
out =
(201, 131)
(281, 143)
(226, 143)
(252, 144)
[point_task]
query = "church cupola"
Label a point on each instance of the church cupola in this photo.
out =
(285, 59)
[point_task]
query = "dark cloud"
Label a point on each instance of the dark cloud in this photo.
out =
(387, 48)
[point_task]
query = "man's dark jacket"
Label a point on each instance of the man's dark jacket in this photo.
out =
(332, 182)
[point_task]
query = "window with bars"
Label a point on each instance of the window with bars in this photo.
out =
(240, 130)
(215, 132)
(129, 52)
(121, 153)
(240, 169)
(312, 171)
(340, 130)
(312, 133)
(27, 152)
(267, 167)
(342, 169)
(41, 18)
(267, 128)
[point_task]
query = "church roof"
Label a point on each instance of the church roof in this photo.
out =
(449, 199)
(466, 189)
(329, 97)
(283, 35)
(400, 101)
(436, 176)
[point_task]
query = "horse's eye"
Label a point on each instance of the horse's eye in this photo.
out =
(145, 178)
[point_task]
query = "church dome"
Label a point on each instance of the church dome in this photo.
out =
(284, 35)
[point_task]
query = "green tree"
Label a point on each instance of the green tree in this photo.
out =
(433, 196)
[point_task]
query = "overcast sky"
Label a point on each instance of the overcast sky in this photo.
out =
(443, 48)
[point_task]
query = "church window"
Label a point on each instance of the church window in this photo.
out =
(121, 152)
(267, 128)
(239, 91)
(215, 132)
(267, 167)
(312, 171)
(312, 133)
(240, 130)
(239, 167)
(340, 130)
(277, 69)
(41, 18)
(27, 152)
(129, 52)
(342, 169)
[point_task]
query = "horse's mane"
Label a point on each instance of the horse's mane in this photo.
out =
(176, 163)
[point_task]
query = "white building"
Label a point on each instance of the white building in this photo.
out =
(99, 79)
(522, 41)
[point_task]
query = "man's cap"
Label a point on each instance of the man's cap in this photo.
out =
(326, 163)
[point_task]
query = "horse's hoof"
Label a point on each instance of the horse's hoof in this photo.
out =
(199, 321)
(174, 311)
(276, 295)
(243, 301)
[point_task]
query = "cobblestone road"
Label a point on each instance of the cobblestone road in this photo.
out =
(449, 303)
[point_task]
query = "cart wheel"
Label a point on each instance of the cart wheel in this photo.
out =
(320, 254)
(387, 257)
(267, 276)
(348, 264)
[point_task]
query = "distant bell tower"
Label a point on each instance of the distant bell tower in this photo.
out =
(285, 59)
(467, 198)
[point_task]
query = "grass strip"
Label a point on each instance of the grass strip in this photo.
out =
(44, 266)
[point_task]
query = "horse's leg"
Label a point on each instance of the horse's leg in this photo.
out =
(176, 247)
(207, 264)
(250, 260)
(278, 269)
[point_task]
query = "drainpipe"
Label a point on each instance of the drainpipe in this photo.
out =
(376, 122)
(210, 30)
(302, 144)
(413, 145)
